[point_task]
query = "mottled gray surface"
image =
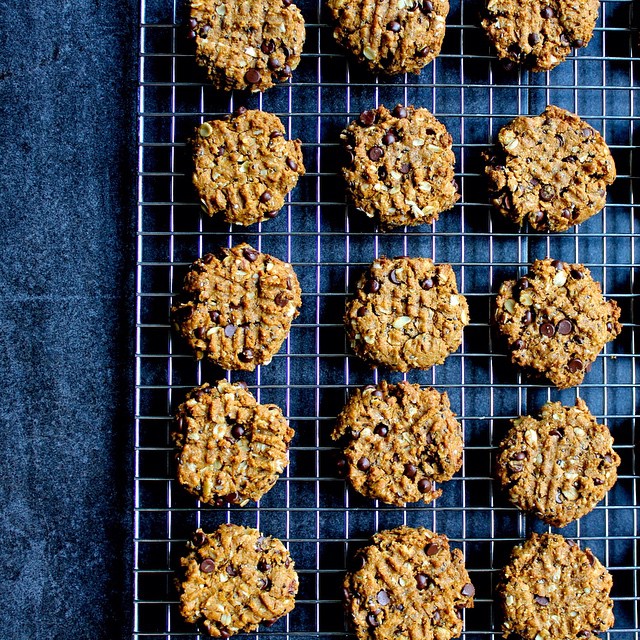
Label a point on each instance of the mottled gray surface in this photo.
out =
(67, 103)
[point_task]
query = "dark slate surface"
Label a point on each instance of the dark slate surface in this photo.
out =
(67, 132)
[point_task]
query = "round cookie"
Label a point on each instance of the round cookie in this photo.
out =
(539, 33)
(407, 584)
(244, 166)
(237, 307)
(400, 36)
(249, 44)
(231, 449)
(235, 579)
(556, 320)
(551, 170)
(406, 313)
(553, 589)
(560, 466)
(398, 441)
(400, 166)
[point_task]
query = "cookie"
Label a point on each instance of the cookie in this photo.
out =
(553, 589)
(237, 307)
(399, 166)
(244, 166)
(556, 320)
(230, 448)
(398, 441)
(559, 466)
(407, 584)
(539, 34)
(246, 44)
(235, 579)
(406, 313)
(551, 170)
(390, 37)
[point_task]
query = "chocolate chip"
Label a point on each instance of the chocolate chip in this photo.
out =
(372, 286)
(231, 571)
(432, 549)
(518, 345)
(394, 26)
(265, 584)
(383, 598)
(468, 590)
(587, 132)
(252, 76)
(372, 620)
(232, 498)
(207, 565)
(400, 111)
(547, 13)
(382, 173)
(521, 455)
(534, 38)
(375, 153)
(422, 582)
(404, 168)
(276, 134)
(240, 111)
(381, 430)
(224, 633)
(547, 193)
(191, 35)
(287, 3)
(367, 118)
(566, 214)
(410, 470)
(556, 433)
(427, 284)
(427, 7)
(590, 557)
(539, 216)
(584, 634)
(557, 265)
(541, 600)
(575, 364)
(598, 481)
(274, 63)
(523, 284)
(230, 330)
(268, 47)
(364, 464)
(200, 333)
(393, 276)
(564, 327)
(246, 355)
(357, 563)
(361, 312)
(208, 258)
(264, 566)
(578, 42)
(577, 275)
(527, 318)
(423, 53)
(424, 485)
(547, 329)
(204, 32)
(199, 538)
(389, 138)
(237, 431)
(292, 164)
(265, 197)
(250, 254)
(281, 299)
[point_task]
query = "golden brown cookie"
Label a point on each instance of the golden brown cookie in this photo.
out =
(230, 448)
(235, 579)
(244, 166)
(551, 170)
(400, 36)
(406, 313)
(398, 441)
(558, 466)
(247, 44)
(407, 584)
(400, 166)
(237, 307)
(552, 589)
(539, 33)
(556, 320)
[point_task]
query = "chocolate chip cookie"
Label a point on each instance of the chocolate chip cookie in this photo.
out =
(235, 579)
(248, 44)
(559, 466)
(407, 584)
(556, 320)
(551, 170)
(539, 33)
(244, 166)
(237, 307)
(398, 441)
(553, 589)
(390, 37)
(406, 313)
(399, 166)
(230, 448)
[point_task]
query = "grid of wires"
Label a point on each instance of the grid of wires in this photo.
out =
(318, 517)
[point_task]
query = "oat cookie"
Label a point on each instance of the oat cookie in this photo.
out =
(560, 466)
(553, 589)
(406, 313)
(230, 448)
(551, 170)
(235, 579)
(247, 44)
(400, 166)
(539, 33)
(556, 320)
(400, 36)
(407, 584)
(398, 441)
(244, 166)
(237, 307)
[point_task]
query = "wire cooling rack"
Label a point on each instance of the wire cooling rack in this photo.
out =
(313, 512)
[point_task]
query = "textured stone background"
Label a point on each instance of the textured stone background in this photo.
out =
(67, 134)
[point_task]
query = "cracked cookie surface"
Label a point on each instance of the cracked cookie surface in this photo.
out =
(244, 166)
(396, 36)
(539, 33)
(400, 166)
(551, 170)
(235, 579)
(406, 313)
(407, 583)
(556, 320)
(230, 448)
(237, 307)
(247, 44)
(558, 466)
(553, 589)
(398, 441)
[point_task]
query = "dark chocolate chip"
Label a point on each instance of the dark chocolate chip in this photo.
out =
(523, 284)
(518, 345)
(191, 35)
(358, 563)
(267, 47)
(265, 197)
(394, 26)
(422, 582)
(204, 32)
(364, 464)
(539, 216)
(547, 13)
(381, 430)
(389, 138)
(281, 299)
(375, 153)
(264, 566)
(292, 164)
(556, 433)
(566, 214)
(276, 134)
(404, 168)
(250, 254)
(382, 173)
(400, 111)
(232, 498)
(547, 329)
(367, 118)
(372, 620)
(547, 193)
(207, 565)
(427, 7)
(564, 327)
(214, 315)
(393, 276)
(246, 355)
(265, 584)
(424, 485)
(230, 330)
(372, 286)
(527, 318)
(252, 76)
(577, 275)
(237, 431)
(558, 265)
(468, 590)
(534, 38)
(423, 53)
(587, 132)
(578, 42)
(521, 455)
(410, 470)
(598, 481)
(575, 365)
(383, 598)
(541, 600)
(432, 549)
(427, 284)
(231, 571)
(240, 111)
(208, 258)
(200, 333)
(274, 63)
(199, 538)
(361, 312)
(224, 633)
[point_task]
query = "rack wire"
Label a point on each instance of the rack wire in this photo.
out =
(310, 509)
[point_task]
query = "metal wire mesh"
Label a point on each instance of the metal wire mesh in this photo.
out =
(313, 512)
